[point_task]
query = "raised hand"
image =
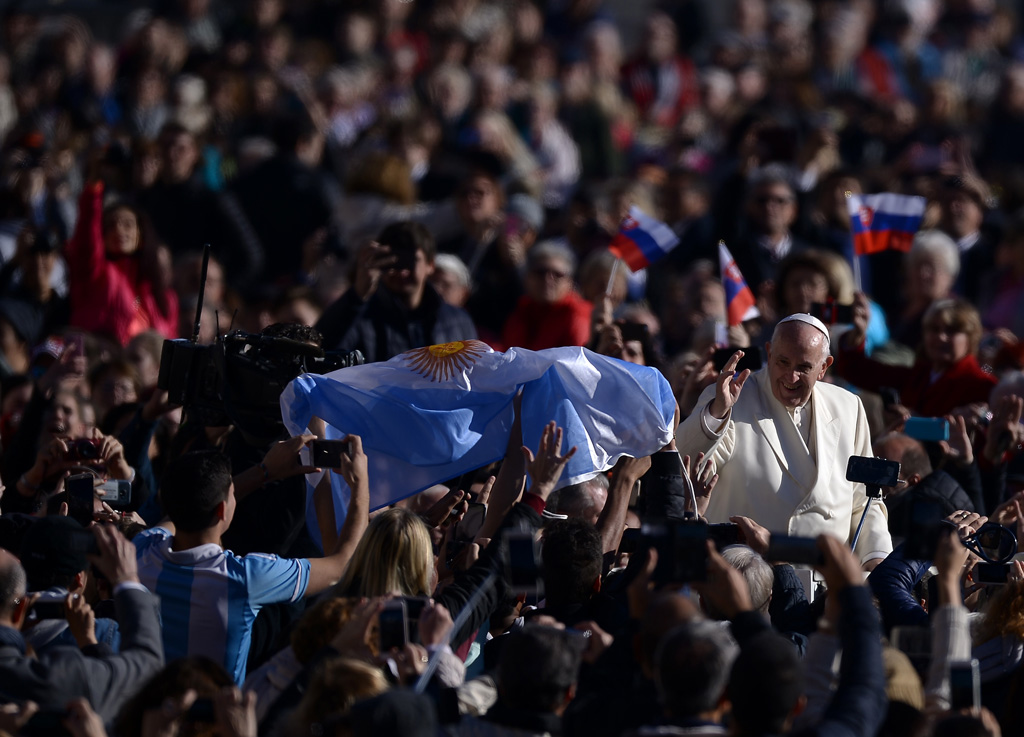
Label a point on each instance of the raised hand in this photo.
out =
(728, 386)
(546, 467)
(371, 263)
(282, 459)
(1005, 431)
(958, 448)
(703, 480)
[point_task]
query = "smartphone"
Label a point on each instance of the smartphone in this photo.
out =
(991, 573)
(830, 312)
(46, 723)
(634, 331)
(201, 712)
(48, 606)
(872, 471)
(394, 625)
(724, 534)
(927, 429)
(524, 564)
(414, 606)
(751, 358)
(791, 549)
(964, 685)
(922, 533)
(691, 552)
(81, 494)
(630, 540)
(471, 523)
(327, 453)
(115, 492)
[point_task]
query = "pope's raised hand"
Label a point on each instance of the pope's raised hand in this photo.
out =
(728, 386)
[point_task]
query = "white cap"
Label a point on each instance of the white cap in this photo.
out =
(809, 320)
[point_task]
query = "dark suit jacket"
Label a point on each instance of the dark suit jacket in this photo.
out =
(107, 680)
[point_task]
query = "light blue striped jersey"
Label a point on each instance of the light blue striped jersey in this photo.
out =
(209, 597)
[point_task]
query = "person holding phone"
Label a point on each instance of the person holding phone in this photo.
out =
(209, 597)
(780, 440)
(391, 307)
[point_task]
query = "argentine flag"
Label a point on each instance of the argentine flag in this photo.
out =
(434, 413)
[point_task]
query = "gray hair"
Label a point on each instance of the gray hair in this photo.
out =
(551, 250)
(453, 265)
(756, 572)
(938, 245)
(771, 174)
(692, 665)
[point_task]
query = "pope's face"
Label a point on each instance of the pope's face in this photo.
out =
(797, 360)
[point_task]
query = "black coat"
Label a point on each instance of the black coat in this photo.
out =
(382, 327)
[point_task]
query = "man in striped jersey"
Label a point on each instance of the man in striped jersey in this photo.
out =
(209, 597)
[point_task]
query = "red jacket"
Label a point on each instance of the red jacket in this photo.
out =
(963, 383)
(110, 296)
(535, 325)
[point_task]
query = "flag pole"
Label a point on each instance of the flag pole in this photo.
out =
(611, 277)
(854, 258)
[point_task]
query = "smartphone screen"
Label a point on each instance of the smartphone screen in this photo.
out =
(691, 551)
(81, 497)
(790, 549)
(964, 685)
(327, 453)
(872, 471)
(393, 626)
(524, 574)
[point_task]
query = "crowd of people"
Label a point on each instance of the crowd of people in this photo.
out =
(384, 175)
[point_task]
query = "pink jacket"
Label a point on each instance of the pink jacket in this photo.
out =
(110, 296)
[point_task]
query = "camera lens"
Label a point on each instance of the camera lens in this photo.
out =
(87, 450)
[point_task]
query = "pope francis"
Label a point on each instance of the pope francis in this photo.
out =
(781, 444)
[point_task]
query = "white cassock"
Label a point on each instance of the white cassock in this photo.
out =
(785, 469)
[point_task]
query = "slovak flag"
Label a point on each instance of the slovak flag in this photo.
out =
(739, 300)
(642, 240)
(884, 222)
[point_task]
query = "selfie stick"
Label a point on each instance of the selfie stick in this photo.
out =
(202, 293)
(874, 492)
(458, 624)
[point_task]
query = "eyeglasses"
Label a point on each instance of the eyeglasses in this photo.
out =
(553, 273)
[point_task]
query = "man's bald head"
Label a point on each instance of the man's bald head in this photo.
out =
(12, 584)
(798, 356)
(909, 453)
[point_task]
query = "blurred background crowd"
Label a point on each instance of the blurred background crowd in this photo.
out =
(289, 134)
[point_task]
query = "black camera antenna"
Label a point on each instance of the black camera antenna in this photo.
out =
(202, 294)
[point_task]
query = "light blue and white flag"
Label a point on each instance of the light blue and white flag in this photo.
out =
(432, 414)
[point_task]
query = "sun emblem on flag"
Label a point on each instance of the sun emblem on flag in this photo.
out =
(866, 215)
(441, 362)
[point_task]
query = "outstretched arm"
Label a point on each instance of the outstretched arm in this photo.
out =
(327, 571)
